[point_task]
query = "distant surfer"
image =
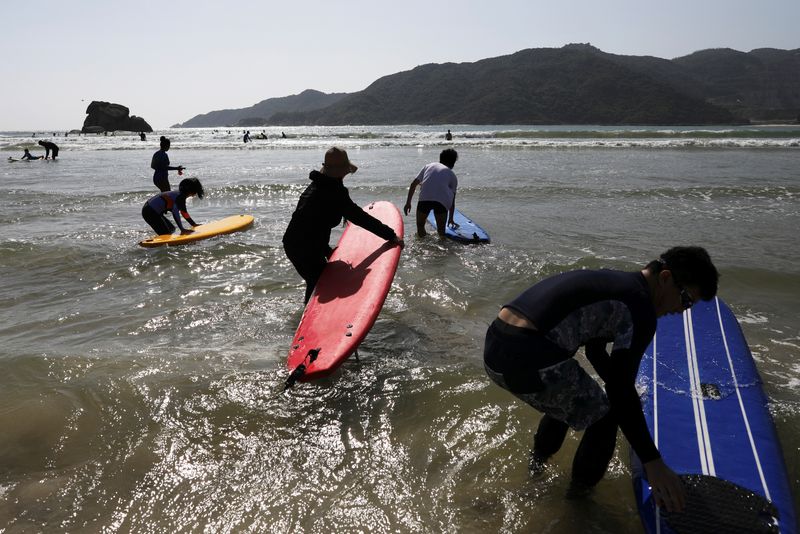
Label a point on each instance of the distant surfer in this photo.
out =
(246, 137)
(438, 193)
(142, 136)
(283, 135)
(172, 201)
(49, 146)
(448, 136)
(28, 155)
(529, 351)
(321, 207)
(160, 164)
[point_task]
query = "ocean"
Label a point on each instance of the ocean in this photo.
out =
(141, 389)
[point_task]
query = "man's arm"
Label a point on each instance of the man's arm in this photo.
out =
(411, 189)
(451, 222)
(627, 409)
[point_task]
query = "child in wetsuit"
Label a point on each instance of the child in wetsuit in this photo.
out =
(160, 164)
(175, 201)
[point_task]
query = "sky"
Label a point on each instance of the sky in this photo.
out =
(171, 60)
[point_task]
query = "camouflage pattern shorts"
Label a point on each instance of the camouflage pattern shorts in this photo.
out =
(569, 394)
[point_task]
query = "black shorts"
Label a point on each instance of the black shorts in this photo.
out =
(157, 221)
(426, 206)
(542, 374)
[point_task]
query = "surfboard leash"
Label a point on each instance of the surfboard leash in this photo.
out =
(300, 370)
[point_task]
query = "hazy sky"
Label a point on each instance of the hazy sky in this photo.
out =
(170, 60)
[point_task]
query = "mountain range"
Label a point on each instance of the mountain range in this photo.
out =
(575, 84)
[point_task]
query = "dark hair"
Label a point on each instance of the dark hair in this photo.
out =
(690, 266)
(191, 185)
(164, 142)
(448, 157)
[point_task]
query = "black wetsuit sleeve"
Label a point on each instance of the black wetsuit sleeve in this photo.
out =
(620, 369)
(353, 213)
(598, 357)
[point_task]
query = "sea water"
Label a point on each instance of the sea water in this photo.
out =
(141, 389)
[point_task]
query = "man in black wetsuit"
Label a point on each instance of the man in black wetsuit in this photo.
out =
(529, 351)
(48, 146)
(321, 207)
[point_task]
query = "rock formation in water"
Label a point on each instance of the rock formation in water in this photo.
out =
(105, 116)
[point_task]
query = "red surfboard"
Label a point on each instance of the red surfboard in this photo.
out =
(347, 298)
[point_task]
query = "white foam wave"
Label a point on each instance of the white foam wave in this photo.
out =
(315, 137)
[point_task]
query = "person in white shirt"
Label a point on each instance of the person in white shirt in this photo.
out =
(438, 193)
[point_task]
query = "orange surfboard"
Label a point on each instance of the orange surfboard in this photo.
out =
(234, 223)
(347, 298)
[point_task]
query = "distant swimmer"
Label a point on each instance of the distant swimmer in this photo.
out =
(246, 137)
(142, 136)
(28, 155)
(48, 146)
(448, 136)
(160, 164)
(263, 135)
(173, 201)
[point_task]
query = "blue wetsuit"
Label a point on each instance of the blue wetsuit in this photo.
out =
(160, 164)
(154, 209)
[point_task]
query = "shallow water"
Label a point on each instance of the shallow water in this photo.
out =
(141, 389)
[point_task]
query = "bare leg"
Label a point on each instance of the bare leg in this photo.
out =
(441, 222)
(421, 217)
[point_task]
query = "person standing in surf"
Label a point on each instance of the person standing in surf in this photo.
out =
(48, 147)
(160, 164)
(529, 351)
(438, 193)
(321, 207)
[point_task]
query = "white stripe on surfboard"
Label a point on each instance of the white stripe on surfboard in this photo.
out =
(700, 422)
(655, 392)
(741, 403)
(655, 419)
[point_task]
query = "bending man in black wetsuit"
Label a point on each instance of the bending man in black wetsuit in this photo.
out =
(529, 351)
(48, 146)
(321, 207)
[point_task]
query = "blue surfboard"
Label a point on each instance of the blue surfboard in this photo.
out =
(467, 231)
(708, 415)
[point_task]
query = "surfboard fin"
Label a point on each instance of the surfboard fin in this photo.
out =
(300, 370)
